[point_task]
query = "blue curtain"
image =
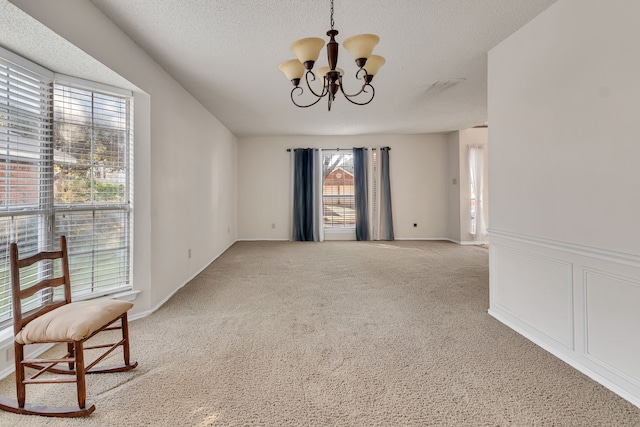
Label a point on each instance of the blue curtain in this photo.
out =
(303, 200)
(361, 193)
(384, 187)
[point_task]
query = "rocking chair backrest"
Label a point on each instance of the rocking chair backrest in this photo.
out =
(18, 294)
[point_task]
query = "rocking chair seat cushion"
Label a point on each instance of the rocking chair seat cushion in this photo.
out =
(74, 321)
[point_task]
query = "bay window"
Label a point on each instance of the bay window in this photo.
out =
(65, 169)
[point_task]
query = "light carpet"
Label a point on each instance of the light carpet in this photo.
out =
(336, 334)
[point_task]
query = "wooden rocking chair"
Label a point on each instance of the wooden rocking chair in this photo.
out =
(61, 322)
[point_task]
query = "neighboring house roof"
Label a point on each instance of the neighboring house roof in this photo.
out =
(347, 174)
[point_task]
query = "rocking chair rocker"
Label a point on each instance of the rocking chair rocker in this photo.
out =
(64, 321)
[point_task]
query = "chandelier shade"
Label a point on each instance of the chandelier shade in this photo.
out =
(361, 46)
(293, 69)
(308, 49)
(328, 79)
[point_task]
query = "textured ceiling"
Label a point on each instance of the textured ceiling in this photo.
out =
(44, 47)
(226, 53)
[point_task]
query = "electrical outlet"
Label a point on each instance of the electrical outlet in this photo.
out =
(189, 253)
(273, 225)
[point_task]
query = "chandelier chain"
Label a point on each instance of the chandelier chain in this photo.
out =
(332, 23)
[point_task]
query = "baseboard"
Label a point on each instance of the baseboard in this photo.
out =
(126, 295)
(262, 240)
(446, 239)
(417, 239)
(474, 242)
(568, 360)
(168, 297)
(33, 354)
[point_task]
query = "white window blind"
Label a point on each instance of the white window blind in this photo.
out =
(65, 168)
(92, 158)
(26, 169)
(338, 201)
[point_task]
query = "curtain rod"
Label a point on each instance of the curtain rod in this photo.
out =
(331, 149)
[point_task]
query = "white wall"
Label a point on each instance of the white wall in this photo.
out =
(564, 102)
(418, 174)
(453, 185)
(185, 159)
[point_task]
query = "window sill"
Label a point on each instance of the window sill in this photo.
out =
(340, 234)
(129, 295)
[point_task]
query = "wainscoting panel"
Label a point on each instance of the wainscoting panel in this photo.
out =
(536, 289)
(612, 309)
(579, 303)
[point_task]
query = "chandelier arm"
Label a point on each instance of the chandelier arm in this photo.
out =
(364, 89)
(324, 86)
(301, 105)
(366, 83)
(362, 77)
(353, 95)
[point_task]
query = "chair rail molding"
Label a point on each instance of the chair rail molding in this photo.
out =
(620, 257)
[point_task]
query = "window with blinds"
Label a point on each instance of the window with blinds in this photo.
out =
(338, 203)
(26, 169)
(91, 164)
(65, 168)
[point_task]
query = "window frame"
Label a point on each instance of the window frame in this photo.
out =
(47, 210)
(348, 226)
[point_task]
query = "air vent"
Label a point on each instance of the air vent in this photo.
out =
(439, 86)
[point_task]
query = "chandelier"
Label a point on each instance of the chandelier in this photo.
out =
(307, 51)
